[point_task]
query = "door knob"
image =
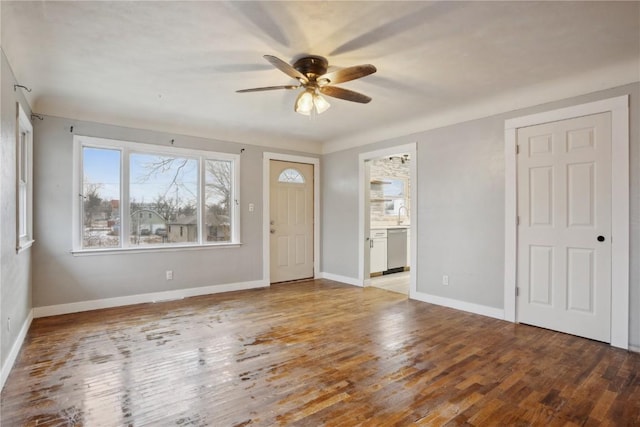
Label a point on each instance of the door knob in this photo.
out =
(272, 222)
(600, 238)
(272, 231)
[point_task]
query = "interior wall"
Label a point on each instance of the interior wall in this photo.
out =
(15, 269)
(59, 277)
(460, 206)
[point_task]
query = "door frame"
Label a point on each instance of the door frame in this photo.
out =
(619, 109)
(413, 237)
(266, 212)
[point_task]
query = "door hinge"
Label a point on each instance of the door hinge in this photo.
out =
(517, 220)
(517, 291)
(517, 149)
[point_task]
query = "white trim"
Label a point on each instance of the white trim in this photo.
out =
(483, 310)
(266, 260)
(15, 349)
(619, 108)
(410, 149)
(25, 245)
(510, 224)
(342, 279)
(76, 307)
(151, 248)
(634, 349)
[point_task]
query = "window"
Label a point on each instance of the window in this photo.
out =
(292, 176)
(136, 196)
(24, 180)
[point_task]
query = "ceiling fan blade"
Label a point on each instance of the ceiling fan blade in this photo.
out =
(286, 68)
(260, 89)
(349, 95)
(349, 73)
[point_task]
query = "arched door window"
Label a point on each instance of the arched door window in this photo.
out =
(291, 176)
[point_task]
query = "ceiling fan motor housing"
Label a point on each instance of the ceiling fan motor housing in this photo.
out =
(311, 66)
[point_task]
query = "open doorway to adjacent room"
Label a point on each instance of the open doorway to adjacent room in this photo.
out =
(387, 201)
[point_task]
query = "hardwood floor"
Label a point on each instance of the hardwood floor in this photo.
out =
(312, 353)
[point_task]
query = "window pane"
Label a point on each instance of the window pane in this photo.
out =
(163, 193)
(23, 157)
(291, 175)
(22, 208)
(218, 185)
(101, 195)
(22, 186)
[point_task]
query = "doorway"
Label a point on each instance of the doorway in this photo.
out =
(387, 212)
(564, 235)
(291, 221)
(290, 218)
(579, 256)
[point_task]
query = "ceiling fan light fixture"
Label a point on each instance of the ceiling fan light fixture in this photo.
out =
(320, 103)
(304, 102)
(311, 73)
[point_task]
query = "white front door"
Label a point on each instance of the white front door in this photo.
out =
(564, 232)
(291, 224)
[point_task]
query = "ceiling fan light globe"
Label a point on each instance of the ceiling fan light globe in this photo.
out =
(321, 104)
(304, 103)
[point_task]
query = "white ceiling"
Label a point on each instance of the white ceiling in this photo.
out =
(175, 66)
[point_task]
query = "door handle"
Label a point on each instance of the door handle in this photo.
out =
(272, 222)
(272, 231)
(600, 238)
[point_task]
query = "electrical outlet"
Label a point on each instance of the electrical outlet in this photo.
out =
(169, 274)
(445, 280)
(252, 207)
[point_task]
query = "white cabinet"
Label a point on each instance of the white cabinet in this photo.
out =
(408, 247)
(378, 255)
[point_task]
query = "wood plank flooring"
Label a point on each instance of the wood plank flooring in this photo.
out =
(310, 354)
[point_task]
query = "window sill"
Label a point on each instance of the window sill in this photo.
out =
(23, 246)
(151, 249)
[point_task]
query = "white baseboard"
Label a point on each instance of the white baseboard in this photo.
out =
(339, 278)
(15, 349)
(483, 310)
(76, 307)
(634, 349)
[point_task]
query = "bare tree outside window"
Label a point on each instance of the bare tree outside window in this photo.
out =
(101, 198)
(218, 200)
(166, 187)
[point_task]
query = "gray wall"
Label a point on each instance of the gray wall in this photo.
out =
(460, 222)
(60, 277)
(15, 269)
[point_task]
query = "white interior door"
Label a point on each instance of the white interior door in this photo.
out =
(291, 223)
(564, 232)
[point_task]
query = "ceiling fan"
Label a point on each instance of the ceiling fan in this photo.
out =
(311, 72)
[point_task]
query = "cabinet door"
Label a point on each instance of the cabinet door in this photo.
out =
(378, 255)
(408, 247)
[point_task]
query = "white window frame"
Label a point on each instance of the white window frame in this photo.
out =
(24, 169)
(127, 148)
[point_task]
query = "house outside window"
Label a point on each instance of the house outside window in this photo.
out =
(137, 196)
